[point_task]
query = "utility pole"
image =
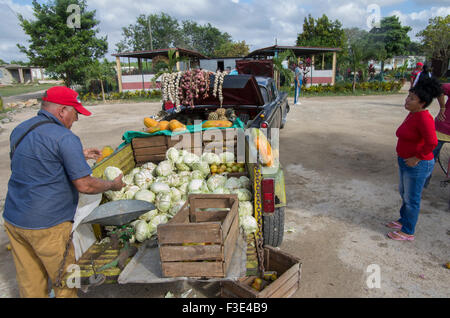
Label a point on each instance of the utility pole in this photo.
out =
(150, 32)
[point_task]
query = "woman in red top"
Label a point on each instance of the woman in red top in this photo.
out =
(416, 141)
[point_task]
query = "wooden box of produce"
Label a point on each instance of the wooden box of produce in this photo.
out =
(287, 282)
(197, 242)
(154, 148)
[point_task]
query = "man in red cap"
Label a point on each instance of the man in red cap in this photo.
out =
(417, 70)
(48, 170)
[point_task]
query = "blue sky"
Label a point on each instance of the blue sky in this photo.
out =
(257, 22)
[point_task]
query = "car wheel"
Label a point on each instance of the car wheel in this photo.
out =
(273, 228)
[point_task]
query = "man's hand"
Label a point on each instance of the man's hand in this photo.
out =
(441, 115)
(92, 153)
(118, 183)
(412, 162)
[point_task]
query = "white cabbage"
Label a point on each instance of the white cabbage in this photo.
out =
(232, 183)
(142, 232)
(197, 174)
(243, 194)
(155, 221)
(164, 168)
(149, 166)
(149, 215)
(245, 182)
(197, 186)
(143, 178)
(175, 195)
(112, 172)
(190, 159)
(245, 208)
(216, 181)
(145, 195)
(174, 180)
(114, 195)
(161, 180)
(176, 207)
(158, 187)
(130, 192)
(249, 224)
(226, 157)
(211, 158)
(203, 167)
(172, 154)
(221, 190)
(163, 201)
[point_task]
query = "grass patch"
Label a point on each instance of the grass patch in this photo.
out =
(123, 101)
(18, 89)
(356, 93)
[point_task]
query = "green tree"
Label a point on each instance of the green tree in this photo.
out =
(436, 40)
(168, 32)
(2, 62)
(62, 50)
(102, 72)
(232, 49)
(279, 69)
(204, 39)
(165, 33)
(390, 39)
(322, 32)
(17, 62)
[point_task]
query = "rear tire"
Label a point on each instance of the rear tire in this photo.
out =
(444, 156)
(273, 228)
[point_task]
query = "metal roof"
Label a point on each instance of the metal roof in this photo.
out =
(298, 50)
(154, 53)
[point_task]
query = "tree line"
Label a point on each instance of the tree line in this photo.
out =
(73, 54)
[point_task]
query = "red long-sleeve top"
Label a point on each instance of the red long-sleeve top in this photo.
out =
(417, 136)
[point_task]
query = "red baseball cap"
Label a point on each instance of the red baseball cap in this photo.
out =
(419, 64)
(63, 95)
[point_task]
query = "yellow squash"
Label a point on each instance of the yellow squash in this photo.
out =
(217, 123)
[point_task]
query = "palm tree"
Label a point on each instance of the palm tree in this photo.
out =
(356, 60)
(279, 68)
(169, 66)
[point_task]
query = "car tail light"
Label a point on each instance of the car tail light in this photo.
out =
(268, 195)
(264, 124)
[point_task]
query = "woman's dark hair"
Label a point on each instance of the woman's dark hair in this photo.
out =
(427, 89)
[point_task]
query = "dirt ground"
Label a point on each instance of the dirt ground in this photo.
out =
(341, 180)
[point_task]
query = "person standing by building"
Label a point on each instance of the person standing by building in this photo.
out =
(298, 80)
(48, 170)
(415, 72)
(416, 141)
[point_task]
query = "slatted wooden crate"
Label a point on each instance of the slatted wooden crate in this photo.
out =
(288, 268)
(198, 243)
(154, 148)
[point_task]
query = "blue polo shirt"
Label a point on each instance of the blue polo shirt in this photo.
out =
(40, 191)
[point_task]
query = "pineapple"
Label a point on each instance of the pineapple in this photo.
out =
(223, 118)
(221, 111)
(213, 116)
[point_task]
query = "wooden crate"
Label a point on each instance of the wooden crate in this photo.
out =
(288, 268)
(154, 148)
(218, 229)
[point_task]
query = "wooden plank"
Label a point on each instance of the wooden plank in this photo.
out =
(190, 233)
(282, 290)
(182, 216)
(210, 216)
(150, 151)
(230, 244)
(191, 253)
(192, 269)
(285, 278)
(238, 289)
(152, 141)
(149, 158)
(230, 218)
(220, 201)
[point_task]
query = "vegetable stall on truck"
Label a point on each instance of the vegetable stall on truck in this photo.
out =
(210, 139)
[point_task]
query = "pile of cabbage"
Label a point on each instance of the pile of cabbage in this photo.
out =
(168, 184)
